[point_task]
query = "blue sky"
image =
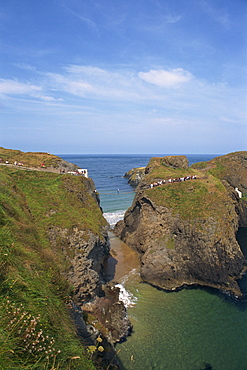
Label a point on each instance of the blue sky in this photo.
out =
(123, 76)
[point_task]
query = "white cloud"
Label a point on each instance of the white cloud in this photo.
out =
(173, 19)
(15, 87)
(66, 84)
(48, 98)
(78, 87)
(94, 82)
(165, 78)
(159, 121)
(25, 66)
(124, 90)
(90, 70)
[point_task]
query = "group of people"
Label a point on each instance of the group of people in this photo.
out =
(169, 181)
(18, 163)
(79, 172)
(15, 162)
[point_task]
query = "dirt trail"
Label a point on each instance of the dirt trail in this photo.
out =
(42, 169)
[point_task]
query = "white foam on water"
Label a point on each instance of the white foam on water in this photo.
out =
(113, 217)
(132, 273)
(128, 299)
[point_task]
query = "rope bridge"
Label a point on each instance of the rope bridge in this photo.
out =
(116, 191)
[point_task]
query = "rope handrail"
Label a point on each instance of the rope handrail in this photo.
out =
(118, 192)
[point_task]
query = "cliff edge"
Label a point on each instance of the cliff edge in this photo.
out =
(53, 247)
(184, 221)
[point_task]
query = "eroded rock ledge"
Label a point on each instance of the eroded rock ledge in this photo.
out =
(186, 231)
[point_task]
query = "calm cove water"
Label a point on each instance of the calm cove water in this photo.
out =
(193, 329)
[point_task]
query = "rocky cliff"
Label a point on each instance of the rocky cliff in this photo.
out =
(54, 245)
(135, 175)
(183, 221)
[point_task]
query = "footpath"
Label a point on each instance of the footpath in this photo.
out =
(22, 167)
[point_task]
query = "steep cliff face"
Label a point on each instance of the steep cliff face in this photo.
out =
(85, 255)
(51, 231)
(186, 230)
(53, 247)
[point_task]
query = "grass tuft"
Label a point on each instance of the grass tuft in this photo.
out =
(36, 331)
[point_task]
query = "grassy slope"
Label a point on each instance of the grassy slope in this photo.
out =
(31, 274)
(231, 167)
(192, 199)
(29, 158)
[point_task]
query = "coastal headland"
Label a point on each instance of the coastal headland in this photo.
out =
(56, 307)
(184, 221)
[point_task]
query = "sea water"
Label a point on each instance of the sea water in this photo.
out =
(191, 329)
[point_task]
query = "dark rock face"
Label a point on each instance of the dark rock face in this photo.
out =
(173, 161)
(180, 161)
(85, 255)
(86, 258)
(200, 249)
(61, 164)
(111, 313)
(135, 176)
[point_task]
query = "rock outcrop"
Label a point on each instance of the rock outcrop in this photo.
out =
(135, 176)
(186, 230)
(111, 313)
(178, 161)
(85, 254)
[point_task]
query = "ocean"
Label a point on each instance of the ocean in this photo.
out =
(193, 329)
(107, 171)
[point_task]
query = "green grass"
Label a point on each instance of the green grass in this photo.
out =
(192, 199)
(199, 165)
(161, 171)
(32, 273)
(49, 202)
(218, 171)
(29, 159)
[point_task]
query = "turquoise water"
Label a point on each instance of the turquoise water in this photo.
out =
(193, 329)
(185, 330)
